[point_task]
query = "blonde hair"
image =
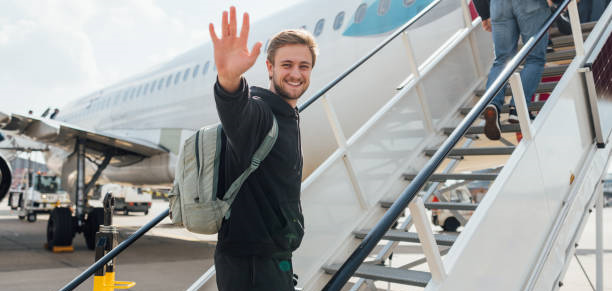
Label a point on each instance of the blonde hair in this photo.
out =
(289, 37)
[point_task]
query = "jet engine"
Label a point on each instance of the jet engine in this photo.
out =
(6, 177)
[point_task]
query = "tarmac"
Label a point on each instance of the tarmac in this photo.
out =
(170, 258)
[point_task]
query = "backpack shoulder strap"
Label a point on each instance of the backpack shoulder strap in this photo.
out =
(260, 154)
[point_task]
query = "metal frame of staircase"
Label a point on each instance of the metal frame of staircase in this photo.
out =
(355, 260)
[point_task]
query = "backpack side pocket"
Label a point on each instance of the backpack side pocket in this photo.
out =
(174, 198)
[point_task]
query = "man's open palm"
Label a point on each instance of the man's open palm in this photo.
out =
(232, 56)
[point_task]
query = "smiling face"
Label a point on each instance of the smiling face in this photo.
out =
(290, 72)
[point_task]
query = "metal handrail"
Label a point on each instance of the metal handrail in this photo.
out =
(141, 231)
(361, 61)
(349, 267)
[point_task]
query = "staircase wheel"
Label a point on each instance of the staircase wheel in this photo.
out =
(60, 228)
(92, 224)
(451, 224)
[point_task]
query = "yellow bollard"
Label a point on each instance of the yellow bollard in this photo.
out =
(106, 240)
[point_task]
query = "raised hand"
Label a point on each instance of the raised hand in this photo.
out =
(232, 56)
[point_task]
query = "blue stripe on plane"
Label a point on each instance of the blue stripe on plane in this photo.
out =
(397, 15)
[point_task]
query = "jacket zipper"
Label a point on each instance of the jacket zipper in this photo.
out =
(299, 145)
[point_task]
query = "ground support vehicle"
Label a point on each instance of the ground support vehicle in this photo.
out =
(44, 194)
(127, 199)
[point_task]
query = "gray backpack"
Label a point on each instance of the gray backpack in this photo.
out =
(193, 199)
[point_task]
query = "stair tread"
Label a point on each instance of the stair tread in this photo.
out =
(533, 106)
(438, 205)
(566, 40)
(475, 151)
(515, 127)
(542, 88)
(451, 205)
(560, 55)
(387, 274)
(554, 70)
(586, 27)
(458, 176)
(398, 235)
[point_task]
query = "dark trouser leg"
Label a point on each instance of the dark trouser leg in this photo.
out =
(250, 273)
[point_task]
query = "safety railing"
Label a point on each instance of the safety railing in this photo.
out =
(350, 266)
(321, 93)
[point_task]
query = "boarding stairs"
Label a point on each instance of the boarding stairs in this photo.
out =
(539, 190)
(464, 268)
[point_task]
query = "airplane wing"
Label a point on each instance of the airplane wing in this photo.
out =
(124, 150)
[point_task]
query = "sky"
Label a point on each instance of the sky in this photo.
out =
(54, 51)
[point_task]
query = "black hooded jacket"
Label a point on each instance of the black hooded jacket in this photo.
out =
(266, 216)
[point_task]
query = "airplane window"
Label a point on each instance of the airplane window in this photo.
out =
(319, 27)
(117, 98)
(125, 95)
(160, 84)
(383, 7)
(169, 81)
(153, 86)
(186, 74)
(132, 93)
(177, 77)
(338, 20)
(361, 12)
(195, 71)
(205, 69)
(303, 27)
(408, 2)
(146, 88)
(138, 91)
(266, 45)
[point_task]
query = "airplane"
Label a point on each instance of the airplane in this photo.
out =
(130, 132)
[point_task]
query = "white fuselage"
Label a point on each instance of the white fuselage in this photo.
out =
(165, 104)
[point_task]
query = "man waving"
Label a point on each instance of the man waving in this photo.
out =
(265, 224)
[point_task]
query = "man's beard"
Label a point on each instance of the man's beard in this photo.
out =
(284, 94)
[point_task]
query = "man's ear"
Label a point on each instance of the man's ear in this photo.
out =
(269, 65)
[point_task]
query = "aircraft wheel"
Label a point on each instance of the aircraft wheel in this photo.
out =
(31, 217)
(94, 219)
(146, 212)
(22, 217)
(451, 224)
(59, 228)
(126, 211)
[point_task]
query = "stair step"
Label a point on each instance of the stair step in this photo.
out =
(451, 205)
(397, 235)
(542, 88)
(482, 151)
(533, 106)
(438, 205)
(566, 40)
(445, 177)
(560, 55)
(382, 273)
(515, 127)
(554, 70)
(586, 27)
